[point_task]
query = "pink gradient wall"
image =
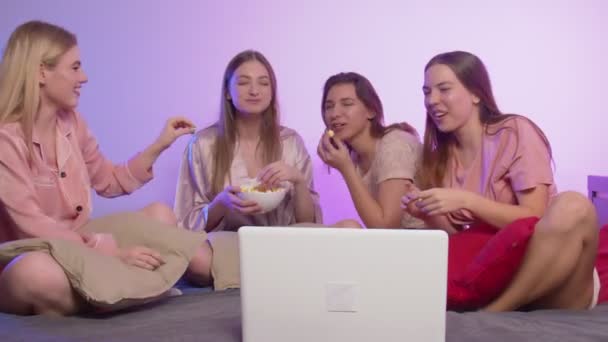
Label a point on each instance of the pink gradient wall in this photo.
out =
(148, 60)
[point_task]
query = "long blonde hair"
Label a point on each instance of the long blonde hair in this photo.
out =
(223, 149)
(30, 46)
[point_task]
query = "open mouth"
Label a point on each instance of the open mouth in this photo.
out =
(337, 127)
(438, 114)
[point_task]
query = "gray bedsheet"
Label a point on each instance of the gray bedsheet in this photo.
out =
(202, 315)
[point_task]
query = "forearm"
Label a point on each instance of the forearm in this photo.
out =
(215, 213)
(72, 236)
(367, 207)
(304, 203)
(148, 157)
(497, 214)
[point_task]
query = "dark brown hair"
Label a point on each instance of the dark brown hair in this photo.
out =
(367, 94)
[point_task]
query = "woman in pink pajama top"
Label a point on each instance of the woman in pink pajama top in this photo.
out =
(482, 166)
(49, 161)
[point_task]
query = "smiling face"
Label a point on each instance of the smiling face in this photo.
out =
(250, 88)
(60, 85)
(344, 113)
(448, 103)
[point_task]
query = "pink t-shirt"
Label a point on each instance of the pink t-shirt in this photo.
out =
(514, 158)
(42, 198)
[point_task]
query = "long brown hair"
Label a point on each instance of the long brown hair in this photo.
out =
(223, 149)
(31, 45)
(367, 94)
(472, 73)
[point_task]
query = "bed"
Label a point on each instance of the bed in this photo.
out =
(205, 315)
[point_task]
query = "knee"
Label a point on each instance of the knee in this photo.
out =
(161, 212)
(199, 269)
(572, 212)
(36, 278)
(349, 223)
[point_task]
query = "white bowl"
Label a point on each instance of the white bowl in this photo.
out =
(267, 200)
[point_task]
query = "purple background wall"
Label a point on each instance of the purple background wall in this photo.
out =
(148, 60)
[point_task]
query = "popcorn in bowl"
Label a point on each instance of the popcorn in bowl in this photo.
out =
(258, 188)
(267, 198)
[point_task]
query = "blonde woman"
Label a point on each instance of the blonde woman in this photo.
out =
(246, 142)
(49, 161)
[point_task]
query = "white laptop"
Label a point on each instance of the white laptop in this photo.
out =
(323, 284)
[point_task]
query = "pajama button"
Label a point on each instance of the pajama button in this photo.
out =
(62, 174)
(79, 208)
